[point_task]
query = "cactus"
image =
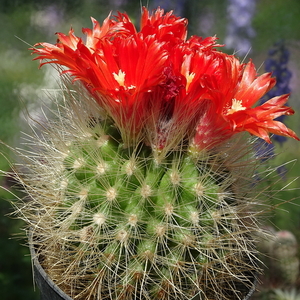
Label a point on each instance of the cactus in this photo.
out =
(285, 244)
(279, 251)
(138, 188)
(285, 260)
(142, 227)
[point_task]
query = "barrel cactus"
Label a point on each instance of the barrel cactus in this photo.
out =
(285, 261)
(139, 185)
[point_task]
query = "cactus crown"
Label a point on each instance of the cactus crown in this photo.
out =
(136, 190)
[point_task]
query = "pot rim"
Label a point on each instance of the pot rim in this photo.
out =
(40, 274)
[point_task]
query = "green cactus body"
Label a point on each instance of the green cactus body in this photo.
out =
(139, 227)
(285, 261)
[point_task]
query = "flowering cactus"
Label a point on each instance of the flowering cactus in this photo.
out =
(139, 187)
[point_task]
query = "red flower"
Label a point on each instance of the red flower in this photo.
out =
(232, 93)
(158, 86)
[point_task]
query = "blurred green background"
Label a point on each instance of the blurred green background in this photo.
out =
(26, 22)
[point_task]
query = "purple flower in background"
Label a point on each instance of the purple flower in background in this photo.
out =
(263, 150)
(239, 27)
(277, 64)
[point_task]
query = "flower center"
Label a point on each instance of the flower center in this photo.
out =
(189, 78)
(120, 77)
(235, 106)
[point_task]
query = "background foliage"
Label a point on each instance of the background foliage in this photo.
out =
(23, 23)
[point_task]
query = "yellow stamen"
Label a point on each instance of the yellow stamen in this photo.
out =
(189, 78)
(235, 106)
(120, 77)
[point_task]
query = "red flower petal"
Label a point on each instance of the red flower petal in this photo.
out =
(251, 87)
(165, 27)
